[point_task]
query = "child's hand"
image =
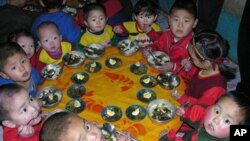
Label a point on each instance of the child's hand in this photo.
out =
(123, 136)
(175, 94)
(145, 52)
(179, 111)
(187, 64)
(26, 131)
(146, 28)
(118, 29)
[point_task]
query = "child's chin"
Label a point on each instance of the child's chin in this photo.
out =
(36, 120)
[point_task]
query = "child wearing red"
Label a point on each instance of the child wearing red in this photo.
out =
(213, 123)
(20, 114)
(174, 41)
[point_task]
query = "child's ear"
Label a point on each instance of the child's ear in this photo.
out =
(169, 19)
(135, 17)
(9, 124)
(156, 16)
(60, 37)
(3, 75)
(41, 3)
(85, 23)
(39, 43)
(64, 2)
(195, 23)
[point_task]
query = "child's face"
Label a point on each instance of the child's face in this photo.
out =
(82, 130)
(50, 39)
(219, 117)
(24, 109)
(144, 19)
(96, 21)
(17, 68)
(27, 43)
(181, 23)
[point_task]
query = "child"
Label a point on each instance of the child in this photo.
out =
(52, 47)
(64, 21)
(16, 68)
(208, 52)
(174, 41)
(97, 31)
(26, 40)
(213, 123)
(69, 126)
(143, 31)
(20, 114)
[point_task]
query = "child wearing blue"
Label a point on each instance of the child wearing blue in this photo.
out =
(15, 67)
(64, 21)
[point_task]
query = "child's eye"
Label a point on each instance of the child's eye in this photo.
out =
(13, 68)
(227, 121)
(24, 61)
(23, 46)
(186, 21)
(87, 126)
(216, 110)
(31, 99)
(55, 38)
(24, 110)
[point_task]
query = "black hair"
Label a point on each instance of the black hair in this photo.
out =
(145, 6)
(242, 100)
(93, 6)
(188, 5)
(211, 46)
(7, 91)
(50, 4)
(45, 24)
(55, 126)
(13, 36)
(7, 50)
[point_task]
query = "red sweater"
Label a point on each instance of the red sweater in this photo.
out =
(204, 90)
(177, 51)
(10, 134)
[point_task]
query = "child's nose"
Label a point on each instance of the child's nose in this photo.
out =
(216, 120)
(180, 24)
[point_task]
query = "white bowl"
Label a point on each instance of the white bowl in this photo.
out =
(127, 47)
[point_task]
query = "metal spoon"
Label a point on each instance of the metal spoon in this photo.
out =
(154, 58)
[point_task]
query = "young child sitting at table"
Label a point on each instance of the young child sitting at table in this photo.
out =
(20, 114)
(213, 123)
(52, 47)
(97, 31)
(26, 40)
(208, 52)
(68, 126)
(143, 31)
(174, 41)
(15, 67)
(64, 21)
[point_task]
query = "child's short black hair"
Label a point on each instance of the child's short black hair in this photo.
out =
(55, 126)
(7, 91)
(242, 100)
(45, 24)
(188, 5)
(50, 4)
(145, 6)
(93, 6)
(7, 50)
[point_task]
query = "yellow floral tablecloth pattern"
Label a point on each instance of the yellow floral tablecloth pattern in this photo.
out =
(117, 87)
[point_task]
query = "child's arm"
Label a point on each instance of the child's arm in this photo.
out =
(26, 131)
(123, 136)
(120, 30)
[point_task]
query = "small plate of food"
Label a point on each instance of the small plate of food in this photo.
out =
(157, 59)
(148, 81)
(138, 68)
(113, 62)
(50, 96)
(76, 91)
(94, 51)
(127, 47)
(73, 59)
(136, 112)
(161, 110)
(146, 95)
(51, 72)
(93, 67)
(75, 105)
(111, 113)
(80, 77)
(168, 80)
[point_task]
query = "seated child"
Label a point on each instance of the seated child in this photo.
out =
(208, 52)
(97, 31)
(64, 21)
(213, 123)
(144, 29)
(15, 67)
(26, 40)
(20, 114)
(52, 47)
(174, 41)
(68, 126)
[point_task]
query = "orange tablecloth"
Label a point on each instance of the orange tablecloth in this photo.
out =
(116, 87)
